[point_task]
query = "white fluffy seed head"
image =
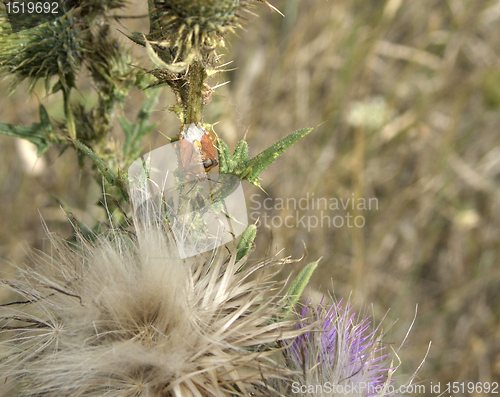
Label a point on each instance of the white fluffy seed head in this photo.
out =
(125, 316)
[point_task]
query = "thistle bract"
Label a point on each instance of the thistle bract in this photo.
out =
(342, 354)
(197, 27)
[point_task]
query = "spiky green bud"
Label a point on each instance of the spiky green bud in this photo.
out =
(183, 39)
(193, 29)
(51, 49)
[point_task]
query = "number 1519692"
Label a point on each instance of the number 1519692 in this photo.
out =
(19, 7)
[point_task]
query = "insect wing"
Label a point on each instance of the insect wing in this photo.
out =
(190, 159)
(207, 147)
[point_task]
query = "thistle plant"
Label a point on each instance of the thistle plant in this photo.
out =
(125, 313)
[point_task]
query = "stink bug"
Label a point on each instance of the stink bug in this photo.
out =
(197, 151)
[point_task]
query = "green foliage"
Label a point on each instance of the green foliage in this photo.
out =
(246, 242)
(40, 134)
(300, 282)
(54, 48)
(58, 49)
(239, 165)
(113, 178)
(135, 131)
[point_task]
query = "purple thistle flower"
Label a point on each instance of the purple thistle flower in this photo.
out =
(340, 357)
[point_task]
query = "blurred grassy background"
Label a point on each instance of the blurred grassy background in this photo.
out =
(409, 96)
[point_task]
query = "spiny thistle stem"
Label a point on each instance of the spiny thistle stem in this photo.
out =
(185, 36)
(68, 113)
(191, 94)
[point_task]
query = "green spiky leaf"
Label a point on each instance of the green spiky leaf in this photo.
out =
(241, 152)
(300, 282)
(38, 133)
(226, 163)
(134, 132)
(136, 37)
(246, 242)
(250, 169)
